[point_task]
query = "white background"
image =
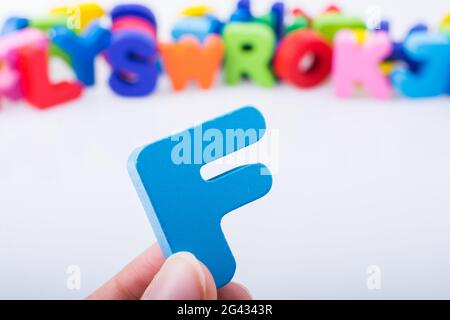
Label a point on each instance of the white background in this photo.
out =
(360, 182)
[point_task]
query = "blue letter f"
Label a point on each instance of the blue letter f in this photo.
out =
(184, 209)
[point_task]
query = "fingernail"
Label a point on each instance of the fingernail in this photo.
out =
(180, 278)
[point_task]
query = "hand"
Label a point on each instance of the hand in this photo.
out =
(180, 277)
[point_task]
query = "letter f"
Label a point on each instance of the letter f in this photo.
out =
(184, 209)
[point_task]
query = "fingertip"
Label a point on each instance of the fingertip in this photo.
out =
(182, 277)
(234, 291)
(210, 285)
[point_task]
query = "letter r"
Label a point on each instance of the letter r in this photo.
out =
(185, 210)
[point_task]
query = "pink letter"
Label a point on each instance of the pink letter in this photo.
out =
(356, 63)
(10, 45)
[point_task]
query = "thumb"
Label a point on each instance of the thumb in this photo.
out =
(182, 277)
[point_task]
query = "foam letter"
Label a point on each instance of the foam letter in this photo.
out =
(9, 83)
(293, 49)
(132, 56)
(330, 23)
(35, 83)
(432, 52)
(189, 60)
(185, 210)
(10, 44)
(248, 51)
(356, 63)
(83, 49)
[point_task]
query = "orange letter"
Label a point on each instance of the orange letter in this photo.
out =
(189, 60)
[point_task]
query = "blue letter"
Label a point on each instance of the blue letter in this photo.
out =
(82, 50)
(132, 56)
(432, 52)
(184, 209)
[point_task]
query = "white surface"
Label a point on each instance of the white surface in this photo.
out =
(360, 182)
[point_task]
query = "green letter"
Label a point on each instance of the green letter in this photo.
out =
(249, 48)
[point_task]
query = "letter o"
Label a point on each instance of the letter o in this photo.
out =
(293, 49)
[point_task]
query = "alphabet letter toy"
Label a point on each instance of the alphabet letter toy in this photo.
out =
(184, 209)
(47, 23)
(445, 25)
(13, 24)
(132, 56)
(196, 11)
(10, 44)
(293, 49)
(35, 84)
(198, 26)
(134, 10)
(133, 51)
(356, 63)
(333, 20)
(277, 17)
(83, 49)
(242, 13)
(133, 23)
(432, 51)
(289, 46)
(274, 19)
(248, 52)
(398, 51)
(299, 21)
(9, 80)
(189, 60)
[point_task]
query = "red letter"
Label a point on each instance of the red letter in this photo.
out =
(35, 84)
(293, 49)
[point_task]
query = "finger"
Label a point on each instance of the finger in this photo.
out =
(182, 277)
(233, 291)
(131, 282)
(211, 289)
